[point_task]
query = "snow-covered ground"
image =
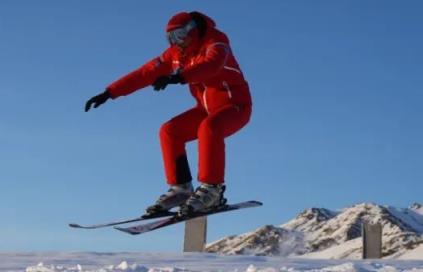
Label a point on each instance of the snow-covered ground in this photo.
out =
(155, 262)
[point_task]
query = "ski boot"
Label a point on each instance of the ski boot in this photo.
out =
(174, 197)
(207, 197)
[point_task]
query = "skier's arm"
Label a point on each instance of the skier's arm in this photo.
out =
(215, 59)
(141, 77)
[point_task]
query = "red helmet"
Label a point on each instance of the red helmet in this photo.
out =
(179, 26)
(178, 20)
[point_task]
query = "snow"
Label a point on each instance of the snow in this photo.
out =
(285, 242)
(418, 208)
(322, 233)
(414, 254)
(411, 218)
(350, 249)
(168, 262)
(317, 240)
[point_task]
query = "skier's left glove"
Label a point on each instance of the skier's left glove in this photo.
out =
(162, 81)
(97, 100)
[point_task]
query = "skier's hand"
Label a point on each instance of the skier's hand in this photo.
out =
(162, 81)
(97, 100)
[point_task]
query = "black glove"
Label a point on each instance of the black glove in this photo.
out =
(97, 100)
(162, 81)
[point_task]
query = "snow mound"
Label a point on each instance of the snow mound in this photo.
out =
(122, 267)
(342, 267)
(414, 254)
(190, 262)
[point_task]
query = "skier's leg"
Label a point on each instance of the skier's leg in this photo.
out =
(174, 134)
(211, 139)
(211, 136)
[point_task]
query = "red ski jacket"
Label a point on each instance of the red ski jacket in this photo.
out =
(207, 65)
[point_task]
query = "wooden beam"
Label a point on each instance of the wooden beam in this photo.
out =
(195, 235)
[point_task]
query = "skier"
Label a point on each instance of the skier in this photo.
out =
(198, 55)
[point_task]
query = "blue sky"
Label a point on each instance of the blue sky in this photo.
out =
(337, 92)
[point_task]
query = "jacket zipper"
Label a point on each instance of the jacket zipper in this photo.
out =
(205, 98)
(232, 69)
(226, 85)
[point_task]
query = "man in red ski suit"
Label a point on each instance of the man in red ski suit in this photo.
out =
(199, 55)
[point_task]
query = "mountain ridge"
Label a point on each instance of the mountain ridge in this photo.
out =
(320, 232)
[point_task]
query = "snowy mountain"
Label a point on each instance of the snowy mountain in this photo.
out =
(322, 233)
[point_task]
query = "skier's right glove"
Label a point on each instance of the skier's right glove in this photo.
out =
(97, 100)
(162, 82)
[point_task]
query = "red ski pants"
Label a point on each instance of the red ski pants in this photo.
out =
(210, 129)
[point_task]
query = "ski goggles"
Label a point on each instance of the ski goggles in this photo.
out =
(178, 35)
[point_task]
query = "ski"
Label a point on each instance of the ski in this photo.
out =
(140, 218)
(143, 228)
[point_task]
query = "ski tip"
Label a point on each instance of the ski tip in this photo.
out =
(257, 202)
(73, 225)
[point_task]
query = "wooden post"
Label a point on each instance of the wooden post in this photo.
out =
(372, 240)
(195, 234)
